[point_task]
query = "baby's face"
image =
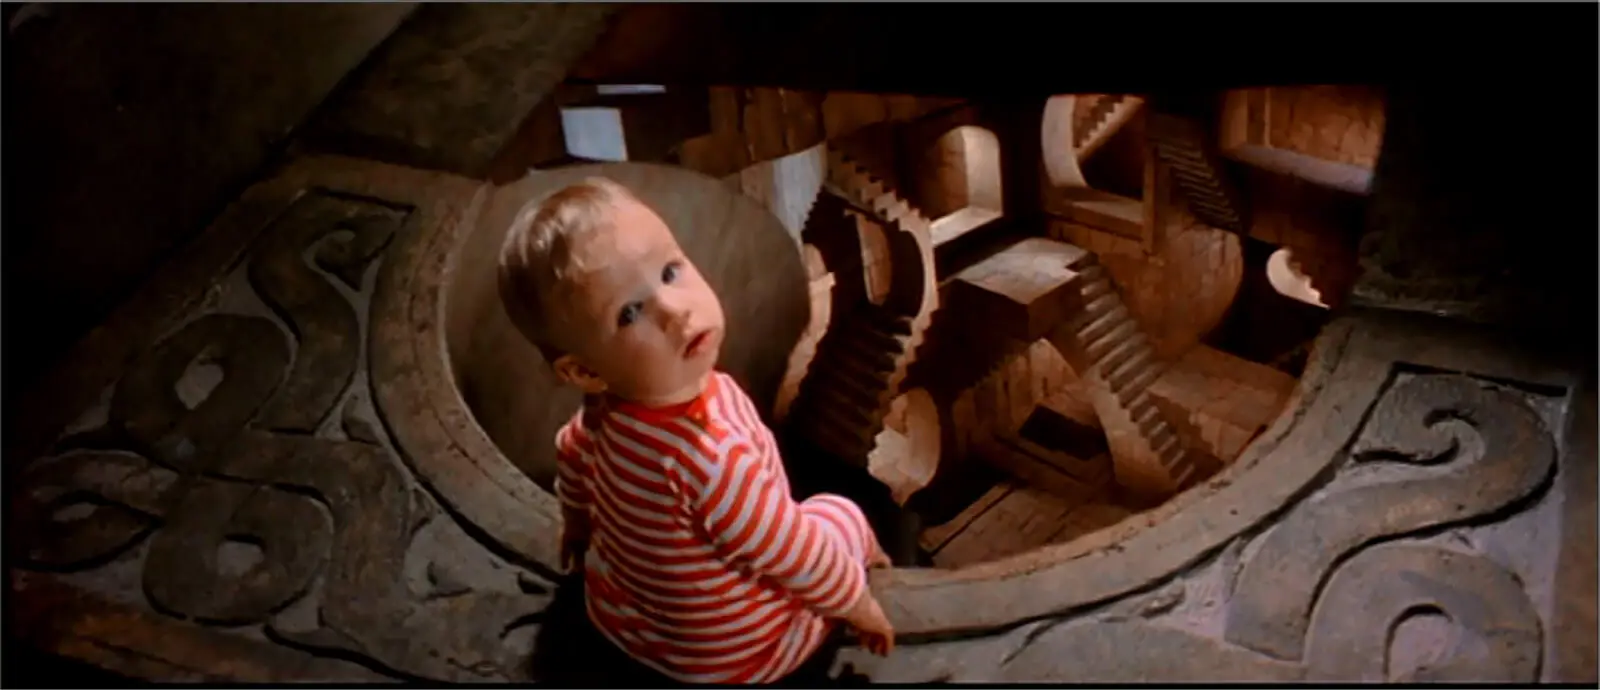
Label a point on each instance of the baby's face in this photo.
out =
(647, 323)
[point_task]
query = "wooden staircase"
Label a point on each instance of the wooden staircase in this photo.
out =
(865, 355)
(1109, 351)
(1197, 171)
(1045, 288)
(1097, 117)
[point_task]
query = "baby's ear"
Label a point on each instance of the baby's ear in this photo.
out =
(574, 373)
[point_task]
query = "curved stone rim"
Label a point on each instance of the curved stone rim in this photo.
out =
(1149, 547)
(443, 443)
(414, 386)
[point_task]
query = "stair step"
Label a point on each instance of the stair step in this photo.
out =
(1124, 351)
(1094, 289)
(841, 442)
(866, 391)
(869, 338)
(865, 358)
(841, 414)
(1100, 322)
(1091, 274)
(1182, 472)
(1141, 382)
(1203, 191)
(1206, 187)
(1145, 419)
(1173, 148)
(850, 365)
(1119, 377)
(840, 390)
(1163, 441)
(1122, 333)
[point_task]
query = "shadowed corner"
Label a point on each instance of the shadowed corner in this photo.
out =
(30, 668)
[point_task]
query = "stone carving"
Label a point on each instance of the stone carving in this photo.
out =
(1277, 587)
(1320, 596)
(256, 469)
(123, 492)
(241, 477)
(1100, 653)
(326, 323)
(1385, 583)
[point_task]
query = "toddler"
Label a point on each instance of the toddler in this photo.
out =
(697, 562)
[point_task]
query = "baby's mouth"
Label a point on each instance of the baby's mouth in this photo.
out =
(698, 344)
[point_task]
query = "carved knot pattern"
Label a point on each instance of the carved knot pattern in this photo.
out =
(265, 466)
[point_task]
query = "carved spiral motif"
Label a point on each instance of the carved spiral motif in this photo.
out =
(1295, 567)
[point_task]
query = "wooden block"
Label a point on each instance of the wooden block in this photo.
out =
(844, 112)
(764, 125)
(964, 415)
(901, 106)
(717, 155)
(926, 105)
(726, 109)
(802, 112)
(1023, 291)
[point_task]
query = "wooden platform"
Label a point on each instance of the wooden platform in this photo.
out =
(1011, 518)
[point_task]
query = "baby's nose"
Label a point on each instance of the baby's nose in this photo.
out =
(675, 313)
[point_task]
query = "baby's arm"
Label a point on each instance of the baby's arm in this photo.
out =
(573, 446)
(816, 550)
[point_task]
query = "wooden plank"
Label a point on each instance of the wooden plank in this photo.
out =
(1087, 518)
(802, 115)
(1010, 457)
(934, 538)
(844, 112)
(764, 124)
(1022, 520)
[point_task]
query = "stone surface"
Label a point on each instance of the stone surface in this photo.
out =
(136, 124)
(275, 478)
(451, 87)
(245, 504)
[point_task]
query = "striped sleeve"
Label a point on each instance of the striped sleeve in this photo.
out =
(752, 519)
(574, 447)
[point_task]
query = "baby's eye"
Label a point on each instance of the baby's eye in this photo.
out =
(670, 273)
(629, 314)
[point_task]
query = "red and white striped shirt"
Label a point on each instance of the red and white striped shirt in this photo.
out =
(701, 565)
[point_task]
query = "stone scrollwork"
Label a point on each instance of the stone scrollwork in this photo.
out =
(253, 501)
(1419, 421)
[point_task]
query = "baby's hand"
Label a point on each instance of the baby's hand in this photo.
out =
(573, 548)
(877, 559)
(867, 618)
(574, 540)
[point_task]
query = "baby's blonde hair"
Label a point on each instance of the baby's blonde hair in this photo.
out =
(536, 258)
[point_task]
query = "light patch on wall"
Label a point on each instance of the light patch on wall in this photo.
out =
(594, 133)
(788, 186)
(966, 169)
(628, 89)
(1289, 281)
